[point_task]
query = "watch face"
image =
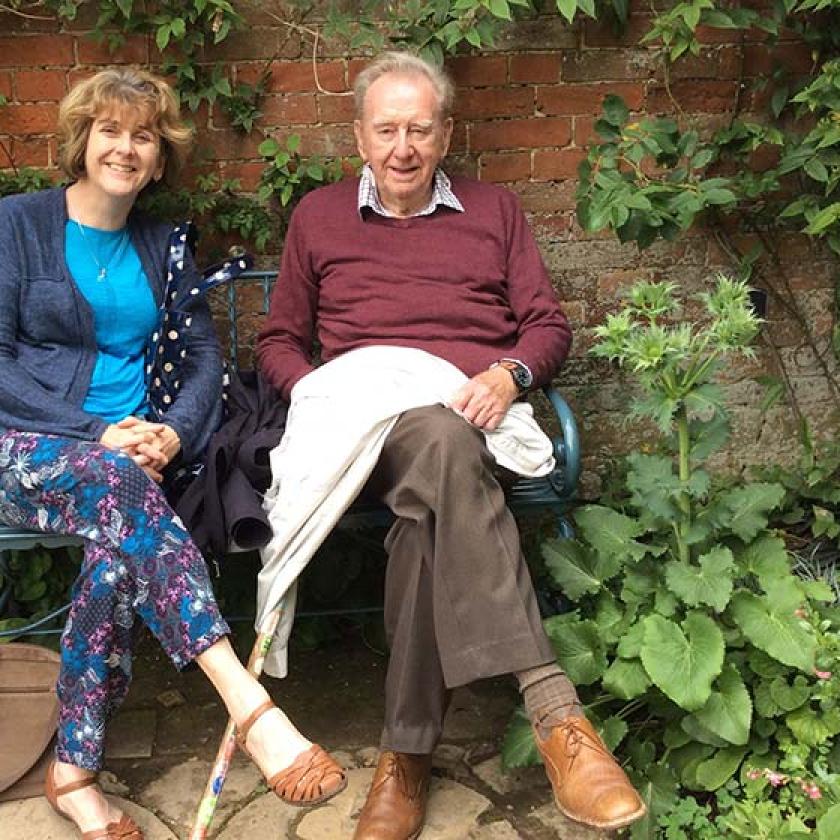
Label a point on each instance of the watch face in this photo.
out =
(521, 375)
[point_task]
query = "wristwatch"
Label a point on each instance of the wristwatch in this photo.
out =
(522, 376)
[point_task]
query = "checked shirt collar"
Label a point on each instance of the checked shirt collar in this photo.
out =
(441, 194)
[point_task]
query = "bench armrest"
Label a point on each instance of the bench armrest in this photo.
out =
(567, 444)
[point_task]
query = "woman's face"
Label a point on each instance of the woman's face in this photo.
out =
(123, 152)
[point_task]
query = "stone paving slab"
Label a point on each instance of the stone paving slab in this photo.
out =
(33, 819)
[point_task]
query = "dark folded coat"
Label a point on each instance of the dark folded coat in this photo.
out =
(223, 504)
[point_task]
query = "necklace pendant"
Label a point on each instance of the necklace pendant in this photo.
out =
(103, 273)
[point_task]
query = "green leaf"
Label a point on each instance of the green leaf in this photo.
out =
(499, 9)
(162, 36)
(781, 636)
(626, 679)
(654, 484)
(714, 772)
(268, 147)
(612, 731)
(579, 648)
(683, 664)
(789, 697)
(728, 711)
(766, 558)
(828, 825)
(630, 644)
(571, 566)
(814, 728)
(610, 533)
(567, 8)
(745, 510)
(616, 111)
(816, 169)
(707, 582)
(700, 733)
(824, 219)
(518, 747)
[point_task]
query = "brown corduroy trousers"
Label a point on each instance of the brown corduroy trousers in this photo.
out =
(459, 602)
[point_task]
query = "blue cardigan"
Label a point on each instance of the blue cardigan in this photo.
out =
(47, 342)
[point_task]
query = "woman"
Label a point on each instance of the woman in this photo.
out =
(81, 279)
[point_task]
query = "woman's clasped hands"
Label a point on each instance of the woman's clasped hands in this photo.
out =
(150, 445)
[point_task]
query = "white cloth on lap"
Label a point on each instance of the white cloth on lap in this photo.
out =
(340, 416)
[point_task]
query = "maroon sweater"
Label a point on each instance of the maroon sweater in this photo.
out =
(468, 287)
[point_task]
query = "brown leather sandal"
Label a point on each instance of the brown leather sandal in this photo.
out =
(124, 829)
(313, 777)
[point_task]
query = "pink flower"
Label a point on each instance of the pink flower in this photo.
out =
(800, 613)
(813, 791)
(753, 774)
(775, 778)
(822, 675)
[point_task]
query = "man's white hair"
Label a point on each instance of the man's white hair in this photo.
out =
(405, 64)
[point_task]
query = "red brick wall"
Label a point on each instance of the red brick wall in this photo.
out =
(524, 115)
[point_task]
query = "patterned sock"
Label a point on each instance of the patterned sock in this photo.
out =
(549, 696)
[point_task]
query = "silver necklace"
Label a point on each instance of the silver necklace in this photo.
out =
(103, 269)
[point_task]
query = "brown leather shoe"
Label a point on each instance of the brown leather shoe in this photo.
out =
(396, 803)
(588, 784)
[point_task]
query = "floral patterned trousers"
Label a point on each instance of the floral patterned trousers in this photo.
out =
(138, 561)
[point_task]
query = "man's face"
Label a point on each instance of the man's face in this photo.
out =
(402, 136)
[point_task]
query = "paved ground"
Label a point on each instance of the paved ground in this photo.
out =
(162, 742)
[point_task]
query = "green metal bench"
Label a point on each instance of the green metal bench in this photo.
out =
(238, 309)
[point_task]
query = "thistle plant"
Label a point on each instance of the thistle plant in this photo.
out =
(699, 653)
(675, 364)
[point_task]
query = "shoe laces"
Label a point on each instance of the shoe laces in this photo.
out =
(575, 738)
(396, 771)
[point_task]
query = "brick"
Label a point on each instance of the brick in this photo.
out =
(458, 141)
(535, 67)
(40, 85)
(330, 141)
(546, 196)
(549, 32)
(354, 67)
(232, 144)
(473, 103)
(557, 164)
(601, 64)
(462, 164)
(35, 152)
(28, 119)
(521, 134)
(714, 63)
(587, 99)
(247, 173)
(245, 45)
(602, 33)
(509, 166)
(705, 97)
(6, 84)
(583, 131)
(297, 109)
(36, 51)
(135, 50)
(336, 109)
(760, 61)
(478, 70)
(297, 76)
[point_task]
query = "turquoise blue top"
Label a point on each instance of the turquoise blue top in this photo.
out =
(124, 316)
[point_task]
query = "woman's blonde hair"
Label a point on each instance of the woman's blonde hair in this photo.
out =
(122, 86)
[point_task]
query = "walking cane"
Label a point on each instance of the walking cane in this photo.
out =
(218, 773)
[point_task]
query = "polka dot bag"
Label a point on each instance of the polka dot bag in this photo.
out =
(169, 345)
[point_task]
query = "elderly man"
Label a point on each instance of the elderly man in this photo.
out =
(407, 257)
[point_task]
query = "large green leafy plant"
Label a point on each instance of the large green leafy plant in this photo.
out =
(692, 639)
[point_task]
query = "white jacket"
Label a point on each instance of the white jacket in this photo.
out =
(340, 415)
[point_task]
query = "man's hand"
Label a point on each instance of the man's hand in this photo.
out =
(485, 399)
